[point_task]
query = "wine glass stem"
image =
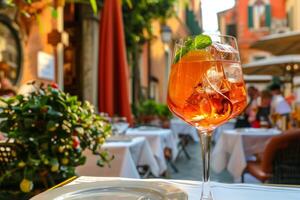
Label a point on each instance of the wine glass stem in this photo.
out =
(205, 139)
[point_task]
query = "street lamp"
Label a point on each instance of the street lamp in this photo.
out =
(166, 34)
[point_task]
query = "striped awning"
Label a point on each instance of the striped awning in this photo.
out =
(280, 43)
(275, 65)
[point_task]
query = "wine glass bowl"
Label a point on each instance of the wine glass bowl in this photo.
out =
(206, 87)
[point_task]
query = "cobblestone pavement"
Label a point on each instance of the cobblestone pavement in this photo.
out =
(192, 169)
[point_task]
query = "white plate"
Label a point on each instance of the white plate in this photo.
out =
(254, 131)
(148, 128)
(115, 190)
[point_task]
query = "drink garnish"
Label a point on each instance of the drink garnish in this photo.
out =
(196, 43)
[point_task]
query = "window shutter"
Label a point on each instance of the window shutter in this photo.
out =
(268, 15)
(250, 17)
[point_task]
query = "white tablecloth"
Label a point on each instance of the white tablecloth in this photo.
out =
(120, 127)
(227, 126)
(234, 146)
(158, 139)
(178, 126)
(220, 191)
(127, 155)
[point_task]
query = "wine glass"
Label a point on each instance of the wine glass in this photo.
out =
(206, 88)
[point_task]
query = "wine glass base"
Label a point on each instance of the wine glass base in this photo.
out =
(206, 197)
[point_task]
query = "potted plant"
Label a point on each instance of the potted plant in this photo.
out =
(53, 129)
(146, 111)
(164, 115)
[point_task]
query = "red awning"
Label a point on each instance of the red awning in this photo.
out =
(113, 78)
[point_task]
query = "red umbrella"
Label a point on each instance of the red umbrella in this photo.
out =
(113, 68)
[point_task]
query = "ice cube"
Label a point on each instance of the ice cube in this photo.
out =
(233, 72)
(224, 47)
(224, 52)
(212, 80)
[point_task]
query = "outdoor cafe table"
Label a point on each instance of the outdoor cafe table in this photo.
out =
(220, 191)
(178, 126)
(158, 139)
(127, 156)
(219, 130)
(234, 146)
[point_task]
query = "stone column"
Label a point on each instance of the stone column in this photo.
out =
(90, 44)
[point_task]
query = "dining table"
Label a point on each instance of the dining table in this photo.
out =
(159, 139)
(119, 188)
(120, 127)
(235, 147)
(128, 153)
(178, 126)
(220, 129)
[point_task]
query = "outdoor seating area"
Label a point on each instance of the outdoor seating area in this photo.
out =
(149, 99)
(143, 151)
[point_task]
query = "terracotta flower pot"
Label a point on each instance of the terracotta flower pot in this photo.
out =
(165, 122)
(146, 119)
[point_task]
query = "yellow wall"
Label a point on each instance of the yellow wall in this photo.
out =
(158, 65)
(33, 43)
(158, 55)
(295, 5)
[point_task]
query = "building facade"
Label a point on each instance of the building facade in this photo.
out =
(293, 14)
(27, 52)
(32, 35)
(157, 54)
(249, 20)
(76, 63)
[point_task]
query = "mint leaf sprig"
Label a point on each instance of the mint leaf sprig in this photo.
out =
(196, 43)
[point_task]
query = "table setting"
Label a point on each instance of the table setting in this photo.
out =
(110, 188)
(180, 127)
(227, 126)
(129, 152)
(235, 147)
(158, 139)
(119, 127)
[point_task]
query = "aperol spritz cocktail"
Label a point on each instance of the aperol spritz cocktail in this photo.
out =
(206, 87)
(203, 96)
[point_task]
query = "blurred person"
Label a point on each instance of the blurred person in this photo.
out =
(262, 117)
(245, 119)
(279, 105)
(280, 109)
(251, 110)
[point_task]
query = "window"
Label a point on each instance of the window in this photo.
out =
(154, 88)
(259, 14)
(231, 30)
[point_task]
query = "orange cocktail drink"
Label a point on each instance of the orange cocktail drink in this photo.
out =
(201, 93)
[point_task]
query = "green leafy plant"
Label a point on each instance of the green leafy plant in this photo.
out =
(163, 111)
(53, 129)
(149, 110)
(138, 17)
